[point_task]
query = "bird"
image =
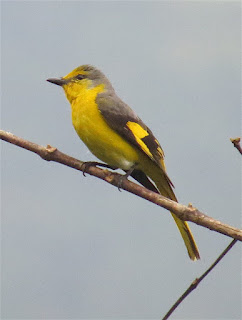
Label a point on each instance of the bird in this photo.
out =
(118, 137)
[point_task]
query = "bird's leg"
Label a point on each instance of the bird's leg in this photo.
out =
(125, 176)
(88, 164)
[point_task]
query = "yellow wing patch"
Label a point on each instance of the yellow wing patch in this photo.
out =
(139, 133)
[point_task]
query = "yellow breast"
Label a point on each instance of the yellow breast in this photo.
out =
(101, 140)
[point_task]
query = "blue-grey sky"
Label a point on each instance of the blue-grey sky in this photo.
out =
(75, 247)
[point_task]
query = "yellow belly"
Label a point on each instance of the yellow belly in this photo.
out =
(100, 139)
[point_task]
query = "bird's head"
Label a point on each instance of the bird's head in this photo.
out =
(82, 78)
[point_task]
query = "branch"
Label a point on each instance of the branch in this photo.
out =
(196, 282)
(183, 212)
(236, 143)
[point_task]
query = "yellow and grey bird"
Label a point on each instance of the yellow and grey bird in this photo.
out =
(117, 136)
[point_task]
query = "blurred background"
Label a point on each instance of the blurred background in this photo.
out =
(75, 247)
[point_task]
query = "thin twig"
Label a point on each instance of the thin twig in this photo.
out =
(187, 213)
(196, 282)
(236, 143)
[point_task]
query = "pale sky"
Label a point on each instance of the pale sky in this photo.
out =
(75, 247)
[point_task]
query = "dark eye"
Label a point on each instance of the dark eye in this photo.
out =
(80, 76)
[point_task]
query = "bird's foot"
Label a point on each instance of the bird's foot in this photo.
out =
(86, 165)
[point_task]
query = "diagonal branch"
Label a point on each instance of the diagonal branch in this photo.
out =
(196, 282)
(183, 212)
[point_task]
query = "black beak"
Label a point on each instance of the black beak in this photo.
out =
(58, 82)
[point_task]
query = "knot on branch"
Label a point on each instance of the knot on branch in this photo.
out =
(47, 153)
(236, 143)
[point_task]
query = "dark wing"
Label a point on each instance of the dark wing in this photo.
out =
(142, 178)
(124, 121)
(121, 118)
